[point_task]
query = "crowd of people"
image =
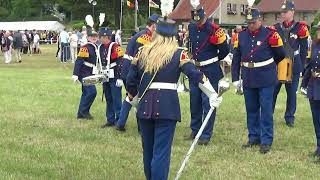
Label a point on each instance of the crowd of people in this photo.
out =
(16, 43)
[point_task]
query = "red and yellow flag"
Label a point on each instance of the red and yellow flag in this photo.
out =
(130, 4)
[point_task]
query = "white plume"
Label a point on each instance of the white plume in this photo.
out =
(102, 17)
(250, 3)
(89, 20)
(166, 7)
(195, 3)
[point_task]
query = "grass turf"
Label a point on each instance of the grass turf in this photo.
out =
(41, 138)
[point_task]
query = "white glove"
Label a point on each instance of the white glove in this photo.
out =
(238, 86)
(75, 78)
(303, 91)
(215, 101)
(119, 83)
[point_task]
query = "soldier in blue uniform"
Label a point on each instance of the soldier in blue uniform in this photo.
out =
(256, 53)
(208, 47)
(138, 40)
(295, 39)
(311, 85)
(83, 67)
(111, 54)
(153, 78)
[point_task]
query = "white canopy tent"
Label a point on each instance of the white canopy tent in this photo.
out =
(31, 25)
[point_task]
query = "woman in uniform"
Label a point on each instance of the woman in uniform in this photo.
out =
(311, 86)
(153, 78)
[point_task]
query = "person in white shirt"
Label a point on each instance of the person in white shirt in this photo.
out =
(6, 44)
(64, 45)
(118, 37)
(36, 43)
(73, 46)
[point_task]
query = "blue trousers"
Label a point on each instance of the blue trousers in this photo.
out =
(124, 113)
(315, 109)
(259, 114)
(89, 93)
(291, 90)
(199, 107)
(157, 136)
(113, 97)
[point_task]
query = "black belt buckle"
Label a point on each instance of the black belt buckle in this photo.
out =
(197, 63)
(250, 65)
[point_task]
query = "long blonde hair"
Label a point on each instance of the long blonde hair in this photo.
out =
(158, 53)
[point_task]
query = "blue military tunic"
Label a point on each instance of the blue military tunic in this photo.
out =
(253, 48)
(85, 61)
(296, 35)
(138, 40)
(313, 83)
(111, 91)
(115, 58)
(161, 103)
(208, 41)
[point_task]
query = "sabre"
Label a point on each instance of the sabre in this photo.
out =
(223, 87)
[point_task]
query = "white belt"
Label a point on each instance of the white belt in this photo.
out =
(161, 85)
(89, 64)
(297, 52)
(257, 64)
(114, 64)
(206, 62)
(128, 57)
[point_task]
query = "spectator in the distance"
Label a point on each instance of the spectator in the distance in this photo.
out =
(73, 45)
(17, 45)
(6, 47)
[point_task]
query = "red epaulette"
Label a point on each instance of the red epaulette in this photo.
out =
(215, 26)
(303, 30)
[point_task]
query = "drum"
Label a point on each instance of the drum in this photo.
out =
(94, 79)
(285, 70)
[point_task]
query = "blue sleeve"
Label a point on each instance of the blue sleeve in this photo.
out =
(223, 50)
(77, 66)
(236, 62)
(133, 80)
(307, 75)
(192, 72)
(303, 50)
(279, 53)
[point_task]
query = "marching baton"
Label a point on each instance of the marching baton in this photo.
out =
(222, 90)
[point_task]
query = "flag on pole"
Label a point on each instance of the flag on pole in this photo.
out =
(153, 4)
(130, 4)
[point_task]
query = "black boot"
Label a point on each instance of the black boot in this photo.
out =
(106, 125)
(249, 145)
(264, 148)
(120, 128)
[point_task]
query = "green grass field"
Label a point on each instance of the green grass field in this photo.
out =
(42, 139)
